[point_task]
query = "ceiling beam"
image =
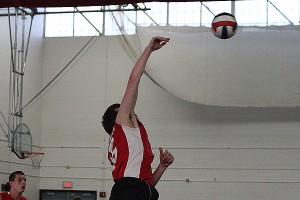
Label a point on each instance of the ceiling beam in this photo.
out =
(75, 3)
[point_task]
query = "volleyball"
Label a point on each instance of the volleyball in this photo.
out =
(224, 25)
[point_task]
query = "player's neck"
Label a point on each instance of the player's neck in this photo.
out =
(15, 196)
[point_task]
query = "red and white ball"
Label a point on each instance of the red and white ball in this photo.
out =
(224, 25)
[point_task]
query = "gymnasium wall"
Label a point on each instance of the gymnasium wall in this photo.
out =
(220, 152)
(9, 162)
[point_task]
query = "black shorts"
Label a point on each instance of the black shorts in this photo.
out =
(128, 188)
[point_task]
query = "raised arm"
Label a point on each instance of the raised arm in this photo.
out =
(126, 115)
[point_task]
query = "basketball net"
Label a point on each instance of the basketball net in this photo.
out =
(36, 158)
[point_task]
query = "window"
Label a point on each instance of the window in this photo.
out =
(109, 20)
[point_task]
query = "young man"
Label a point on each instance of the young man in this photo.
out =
(17, 182)
(129, 150)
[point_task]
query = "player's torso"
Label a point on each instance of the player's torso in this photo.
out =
(130, 153)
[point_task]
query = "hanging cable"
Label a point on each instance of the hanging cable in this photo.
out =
(291, 23)
(6, 134)
(149, 15)
(121, 28)
(10, 73)
(67, 65)
(29, 35)
(5, 121)
(2, 127)
(122, 32)
(88, 21)
(10, 37)
(207, 8)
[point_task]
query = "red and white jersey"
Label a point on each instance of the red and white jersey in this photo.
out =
(130, 153)
(7, 196)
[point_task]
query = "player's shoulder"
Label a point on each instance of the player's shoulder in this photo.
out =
(2, 194)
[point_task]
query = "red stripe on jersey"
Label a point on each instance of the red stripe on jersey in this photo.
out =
(138, 163)
(118, 152)
(146, 171)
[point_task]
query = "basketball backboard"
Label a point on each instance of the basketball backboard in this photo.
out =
(21, 141)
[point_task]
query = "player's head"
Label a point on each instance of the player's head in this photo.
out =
(17, 181)
(109, 117)
(13, 176)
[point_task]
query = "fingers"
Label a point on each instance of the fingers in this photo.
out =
(157, 42)
(164, 40)
(160, 150)
(166, 157)
(170, 159)
(163, 153)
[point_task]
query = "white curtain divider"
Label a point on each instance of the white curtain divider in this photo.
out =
(258, 67)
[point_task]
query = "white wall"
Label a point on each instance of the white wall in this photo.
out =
(9, 162)
(226, 153)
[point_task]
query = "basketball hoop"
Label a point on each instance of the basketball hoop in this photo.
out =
(36, 158)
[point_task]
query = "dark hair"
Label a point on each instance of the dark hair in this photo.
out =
(77, 198)
(109, 118)
(13, 175)
(6, 187)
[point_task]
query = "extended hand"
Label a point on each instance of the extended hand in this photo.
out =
(166, 158)
(157, 42)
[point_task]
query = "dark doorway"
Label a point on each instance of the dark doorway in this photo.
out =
(67, 194)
